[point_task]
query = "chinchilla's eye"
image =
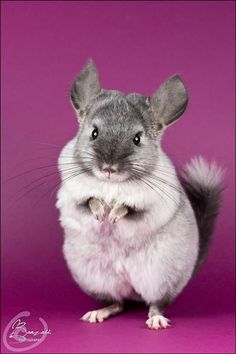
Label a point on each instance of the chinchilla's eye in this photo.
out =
(136, 139)
(95, 133)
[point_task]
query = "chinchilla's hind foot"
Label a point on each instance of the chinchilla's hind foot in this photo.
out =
(156, 320)
(102, 314)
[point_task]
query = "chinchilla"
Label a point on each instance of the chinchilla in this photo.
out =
(134, 228)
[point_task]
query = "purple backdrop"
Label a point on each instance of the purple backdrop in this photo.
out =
(136, 45)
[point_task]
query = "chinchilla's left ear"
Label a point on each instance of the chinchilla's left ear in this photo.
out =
(169, 102)
(85, 87)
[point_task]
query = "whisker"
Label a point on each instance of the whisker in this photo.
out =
(157, 185)
(72, 173)
(144, 168)
(62, 181)
(150, 186)
(33, 170)
(45, 176)
(158, 178)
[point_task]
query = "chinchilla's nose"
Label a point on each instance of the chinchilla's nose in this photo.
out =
(109, 168)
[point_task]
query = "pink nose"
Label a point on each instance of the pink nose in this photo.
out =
(109, 168)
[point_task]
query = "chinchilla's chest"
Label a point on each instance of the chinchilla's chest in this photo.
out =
(97, 261)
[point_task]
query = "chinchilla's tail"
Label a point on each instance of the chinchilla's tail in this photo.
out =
(203, 183)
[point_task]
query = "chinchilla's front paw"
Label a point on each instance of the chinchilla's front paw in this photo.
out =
(117, 213)
(98, 208)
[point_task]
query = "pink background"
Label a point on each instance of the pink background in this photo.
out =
(136, 46)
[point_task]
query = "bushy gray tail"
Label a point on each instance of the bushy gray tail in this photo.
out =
(202, 182)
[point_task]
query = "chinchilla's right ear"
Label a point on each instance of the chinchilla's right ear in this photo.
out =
(85, 87)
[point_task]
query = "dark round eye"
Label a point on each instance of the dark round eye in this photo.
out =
(95, 133)
(136, 139)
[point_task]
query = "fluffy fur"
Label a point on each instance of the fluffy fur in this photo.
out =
(151, 253)
(203, 184)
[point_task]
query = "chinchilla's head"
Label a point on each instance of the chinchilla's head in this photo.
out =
(119, 135)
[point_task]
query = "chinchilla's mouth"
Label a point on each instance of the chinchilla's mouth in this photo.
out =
(110, 177)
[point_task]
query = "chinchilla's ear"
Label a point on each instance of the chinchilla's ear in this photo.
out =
(85, 87)
(169, 102)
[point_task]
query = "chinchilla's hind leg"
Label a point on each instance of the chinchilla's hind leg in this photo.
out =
(102, 314)
(156, 320)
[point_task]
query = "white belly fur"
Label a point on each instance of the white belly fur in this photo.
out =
(152, 256)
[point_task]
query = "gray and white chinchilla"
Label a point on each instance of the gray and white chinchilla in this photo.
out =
(134, 228)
